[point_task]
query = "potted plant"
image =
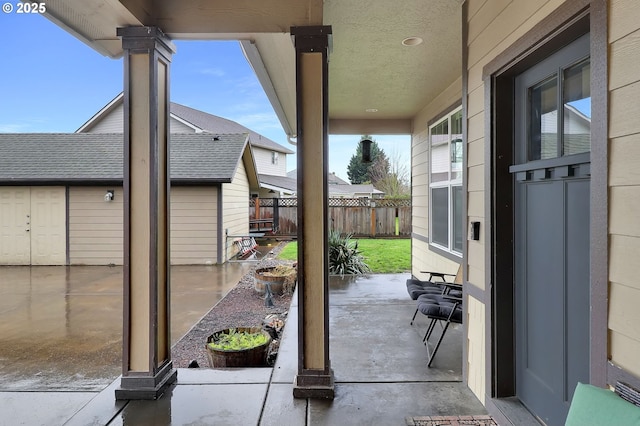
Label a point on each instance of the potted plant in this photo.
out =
(238, 347)
(280, 278)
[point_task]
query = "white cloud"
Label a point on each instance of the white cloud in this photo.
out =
(13, 128)
(216, 72)
(32, 125)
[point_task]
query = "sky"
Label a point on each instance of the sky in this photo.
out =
(52, 82)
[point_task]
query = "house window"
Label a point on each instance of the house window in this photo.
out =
(274, 157)
(445, 183)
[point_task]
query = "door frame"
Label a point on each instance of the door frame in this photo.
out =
(569, 21)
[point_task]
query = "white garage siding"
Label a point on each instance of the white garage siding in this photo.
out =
(96, 226)
(194, 225)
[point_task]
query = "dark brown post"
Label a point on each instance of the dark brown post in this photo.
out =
(257, 210)
(315, 376)
(146, 362)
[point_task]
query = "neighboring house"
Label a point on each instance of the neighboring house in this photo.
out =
(277, 186)
(354, 191)
(270, 157)
(61, 199)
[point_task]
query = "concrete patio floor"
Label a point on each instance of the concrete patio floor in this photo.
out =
(61, 327)
(378, 359)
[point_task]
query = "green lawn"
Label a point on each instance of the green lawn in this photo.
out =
(382, 255)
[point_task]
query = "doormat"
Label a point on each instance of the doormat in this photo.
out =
(482, 420)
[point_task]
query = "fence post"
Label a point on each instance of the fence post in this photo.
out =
(372, 206)
(276, 216)
(257, 211)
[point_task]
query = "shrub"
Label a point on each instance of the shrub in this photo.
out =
(344, 256)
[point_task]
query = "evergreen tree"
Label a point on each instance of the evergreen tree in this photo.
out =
(359, 172)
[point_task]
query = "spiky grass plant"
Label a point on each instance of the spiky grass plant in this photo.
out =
(344, 256)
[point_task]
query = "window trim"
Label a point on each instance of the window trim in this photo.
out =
(449, 183)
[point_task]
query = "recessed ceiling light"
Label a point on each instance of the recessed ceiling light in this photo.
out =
(412, 41)
(371, 110)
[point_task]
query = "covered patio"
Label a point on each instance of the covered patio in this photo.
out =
(288, 44)
(378, 359)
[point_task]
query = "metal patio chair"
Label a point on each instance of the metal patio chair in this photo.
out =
(445, 309)
(435, 284)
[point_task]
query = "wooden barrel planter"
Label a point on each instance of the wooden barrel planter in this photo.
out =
(273, 277)
(249, 357)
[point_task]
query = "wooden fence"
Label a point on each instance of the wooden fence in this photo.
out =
(361, 217)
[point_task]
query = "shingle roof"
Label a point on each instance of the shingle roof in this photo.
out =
(366, 188)
(279, 181)
(332, 178)
(214, 124)
(95, 157)
(289, 183)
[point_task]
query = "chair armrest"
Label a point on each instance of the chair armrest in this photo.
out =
(440, 275)
(452, 298)
(454, 286)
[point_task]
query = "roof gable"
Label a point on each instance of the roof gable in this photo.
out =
(199, 121)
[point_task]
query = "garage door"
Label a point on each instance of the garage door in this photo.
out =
(32, 226)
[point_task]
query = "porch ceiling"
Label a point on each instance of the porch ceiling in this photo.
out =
(369, 68)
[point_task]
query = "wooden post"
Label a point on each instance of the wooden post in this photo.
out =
(146, 364)
(276, 215)
(257, 210)
(315, 376)
(372, 206)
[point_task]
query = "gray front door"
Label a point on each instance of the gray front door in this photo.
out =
(552, 187)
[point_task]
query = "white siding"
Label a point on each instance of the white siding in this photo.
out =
(176, 126)
(476, 346)
(194, 225)
(235, 199)
(264, 165)
(624, 184)
(111, 123)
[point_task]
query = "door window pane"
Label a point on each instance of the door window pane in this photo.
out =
(543, 120)
(440, 216)
(577, 109)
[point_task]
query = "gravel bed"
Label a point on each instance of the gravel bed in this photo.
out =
(241, 307)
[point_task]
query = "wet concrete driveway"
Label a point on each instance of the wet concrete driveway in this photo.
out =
(61, 326)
